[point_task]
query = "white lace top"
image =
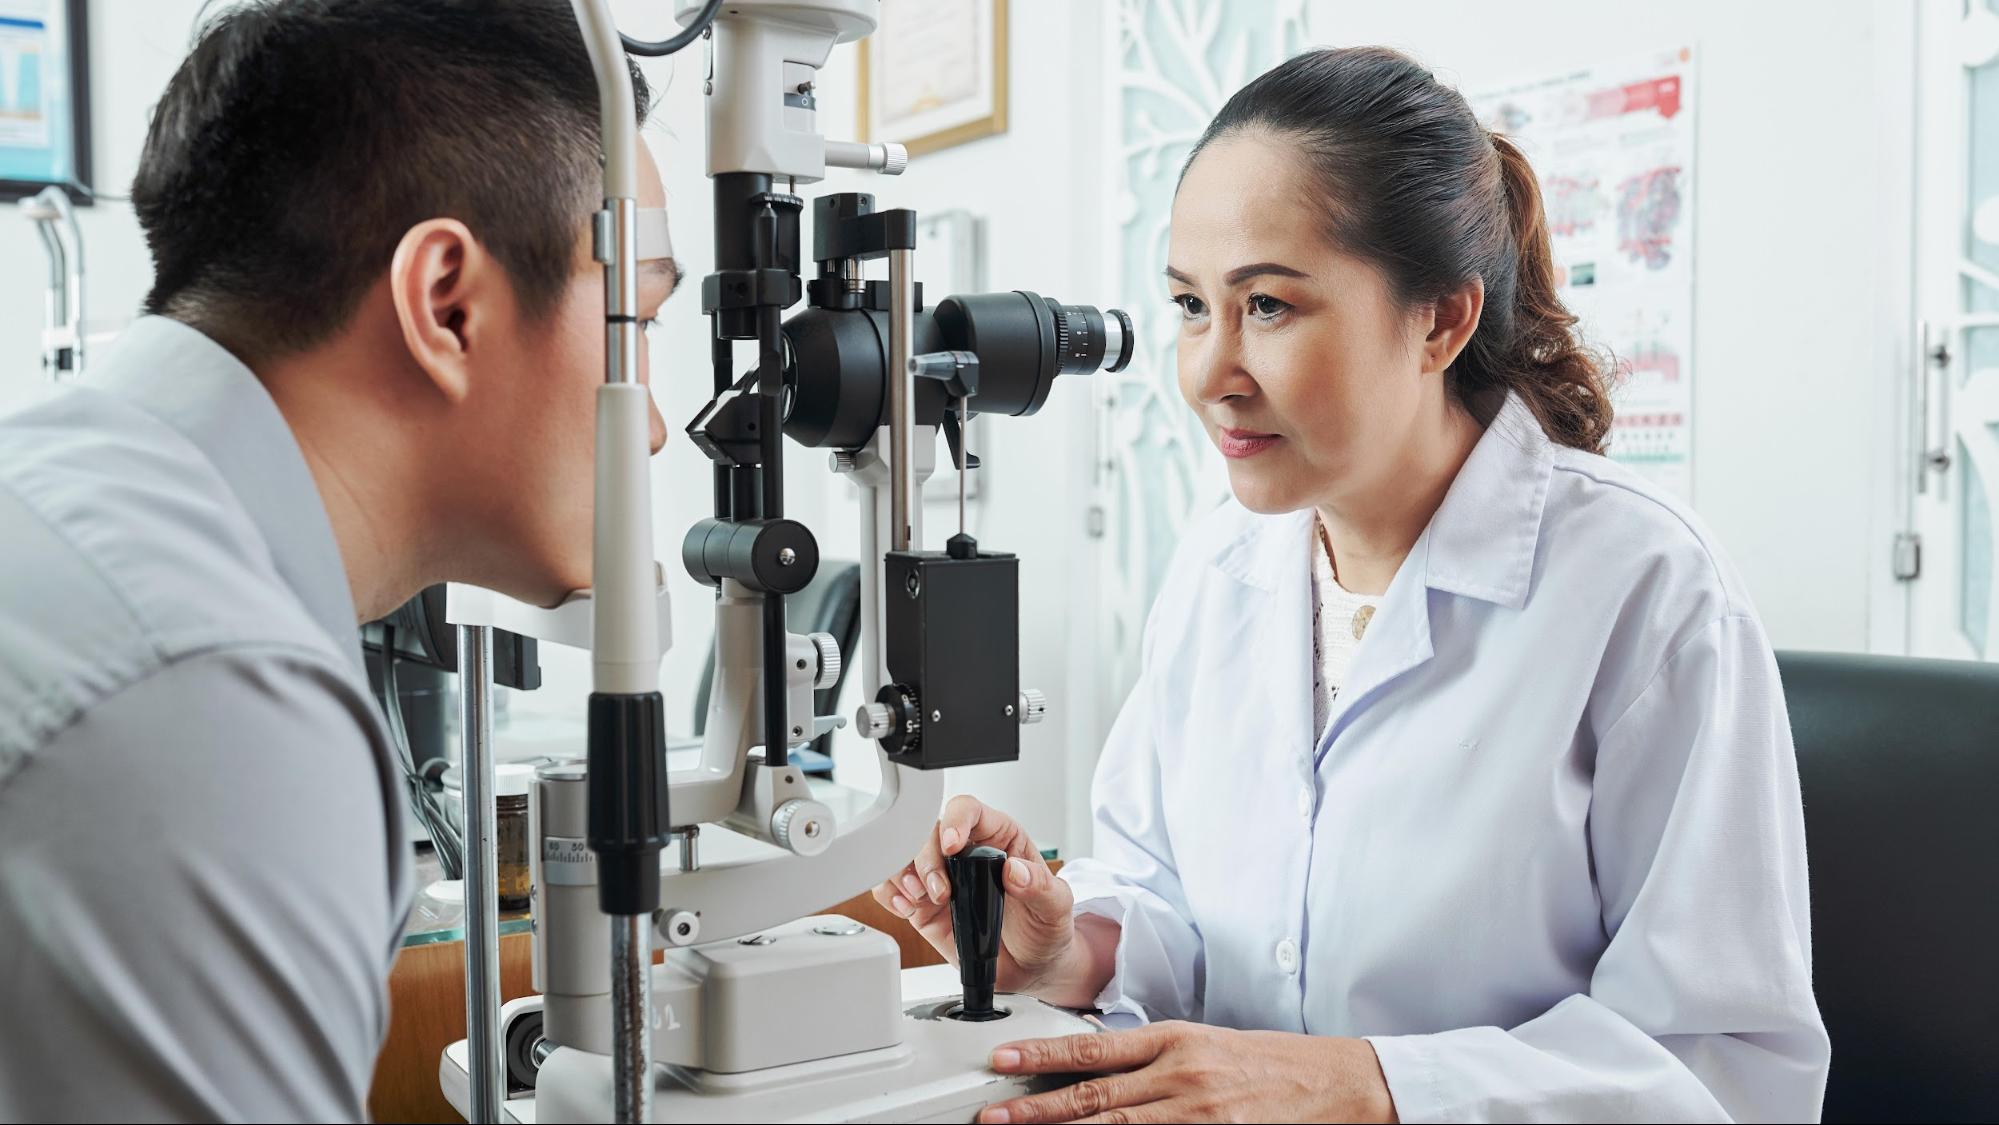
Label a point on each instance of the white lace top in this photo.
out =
(1339, 620)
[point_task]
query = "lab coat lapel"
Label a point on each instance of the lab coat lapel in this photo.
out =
(1481, 544)
(1274, 560)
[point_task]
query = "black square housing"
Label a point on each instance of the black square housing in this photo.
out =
(954, 640)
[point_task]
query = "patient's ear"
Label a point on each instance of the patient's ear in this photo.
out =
(448, 293)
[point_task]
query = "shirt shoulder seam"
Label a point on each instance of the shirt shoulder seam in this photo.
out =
(1652, 681)
(304, 653)
(1715, 570)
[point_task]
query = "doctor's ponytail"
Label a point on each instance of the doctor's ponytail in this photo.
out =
(1413, 184)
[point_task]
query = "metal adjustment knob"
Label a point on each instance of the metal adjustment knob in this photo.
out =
(803, 827)
(895, 158)
(829, 660)
(1033, 707)
(844, 461)
(874, 720)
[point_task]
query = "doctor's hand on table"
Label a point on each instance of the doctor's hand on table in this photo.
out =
(1162, 1072)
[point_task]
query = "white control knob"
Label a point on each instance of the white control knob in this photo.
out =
(679, 927)
(803, 827)
(829, 660)
(1033, 707)
(874, 720)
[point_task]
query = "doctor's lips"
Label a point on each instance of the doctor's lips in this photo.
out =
(1238, 444)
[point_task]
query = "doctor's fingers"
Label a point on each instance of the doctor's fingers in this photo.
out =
(1037, 896)
(904, 884)
(966, 822)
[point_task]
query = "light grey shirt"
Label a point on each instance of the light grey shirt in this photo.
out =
(203, 867)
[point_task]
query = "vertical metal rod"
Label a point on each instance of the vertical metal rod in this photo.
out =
(964, 455)
(776, 724)
(482, 901)
(901, 394)
(722, 354)
(770, 388)
(874, 667)
(690, 847)
(631, 1030)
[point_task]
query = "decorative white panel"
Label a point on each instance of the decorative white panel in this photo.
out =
(1177, 62)
(1975, 412)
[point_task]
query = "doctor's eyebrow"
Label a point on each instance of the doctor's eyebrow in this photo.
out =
(1241, 274)
(664, 267)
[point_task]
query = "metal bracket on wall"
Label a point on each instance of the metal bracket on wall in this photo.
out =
(1908, 556)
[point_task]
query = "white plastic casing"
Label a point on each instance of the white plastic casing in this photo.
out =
(759, 120)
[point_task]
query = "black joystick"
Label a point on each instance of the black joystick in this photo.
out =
(978, 906)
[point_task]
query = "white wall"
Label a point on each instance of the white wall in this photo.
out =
(134, 47)
(1792, 300)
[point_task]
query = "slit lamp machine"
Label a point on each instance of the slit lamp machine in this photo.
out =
(755, 1013)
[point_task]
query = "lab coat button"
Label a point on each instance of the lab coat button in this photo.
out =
(1287, 956)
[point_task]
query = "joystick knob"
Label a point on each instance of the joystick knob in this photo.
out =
(978, 907)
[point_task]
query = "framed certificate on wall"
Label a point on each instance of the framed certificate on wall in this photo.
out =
(44, 98)
(933, 74)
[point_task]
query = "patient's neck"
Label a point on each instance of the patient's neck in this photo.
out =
(358, 429)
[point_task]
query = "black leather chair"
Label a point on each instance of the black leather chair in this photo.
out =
(831, 603)
(1899, 763)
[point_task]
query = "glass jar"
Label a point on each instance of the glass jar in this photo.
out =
(511, 783)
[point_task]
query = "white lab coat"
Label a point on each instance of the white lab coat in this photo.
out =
(1548, 854)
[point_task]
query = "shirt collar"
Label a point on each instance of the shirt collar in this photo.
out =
(196, 386)
(1480, 544)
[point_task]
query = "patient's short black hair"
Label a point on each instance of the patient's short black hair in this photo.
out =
(301, 139)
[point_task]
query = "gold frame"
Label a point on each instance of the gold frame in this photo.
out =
(991, 125)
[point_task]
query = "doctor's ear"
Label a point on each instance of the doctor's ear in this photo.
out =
(444, 285)
(1448, 324)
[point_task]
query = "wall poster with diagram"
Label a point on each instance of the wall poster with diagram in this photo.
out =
(1613, 146)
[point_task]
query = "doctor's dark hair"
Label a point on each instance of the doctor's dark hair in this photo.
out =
(301, 139)
(1414, 185)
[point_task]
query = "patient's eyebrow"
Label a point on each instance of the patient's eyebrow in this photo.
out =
(664, 267)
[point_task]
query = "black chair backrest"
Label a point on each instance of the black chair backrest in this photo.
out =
(1899, 764)
(830, 603)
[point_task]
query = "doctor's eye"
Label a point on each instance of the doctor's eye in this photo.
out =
(1266, 308)
(1190, 305)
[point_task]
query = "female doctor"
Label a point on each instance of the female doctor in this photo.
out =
(1457, 783)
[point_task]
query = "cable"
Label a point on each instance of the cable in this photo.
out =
(688, 34)
(429, 811)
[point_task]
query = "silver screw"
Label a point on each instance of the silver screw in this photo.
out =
(936, 716)
(812, 830)
(797, 731)
(786, 557)
(914, 585)
(1009, 710)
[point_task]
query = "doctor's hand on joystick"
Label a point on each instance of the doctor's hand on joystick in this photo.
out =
(1037, 951)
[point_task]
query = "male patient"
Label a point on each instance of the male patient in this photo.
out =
(374, 337)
